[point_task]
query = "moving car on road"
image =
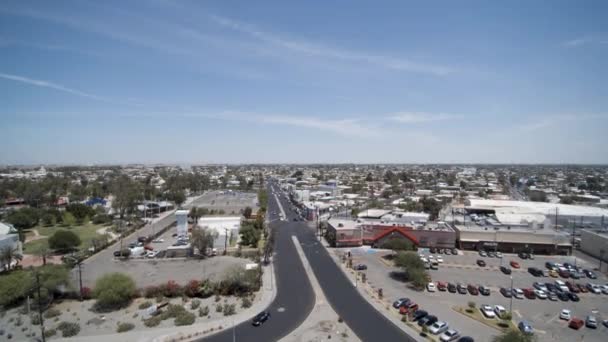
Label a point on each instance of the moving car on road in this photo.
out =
(481, 263)
(260, 318)
(360, 267)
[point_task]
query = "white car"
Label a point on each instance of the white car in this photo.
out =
(604, 289)
(518, 293)
(431, 287)
(439, 259)
(499, 310)
(565, 314)
(498, 255)
(438, 327)
(449, 335)
(595, 289)
(540, 294)
(424, 260)
(151, 254)
(159, 241)
(487, 311)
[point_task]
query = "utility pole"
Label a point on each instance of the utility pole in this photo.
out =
(556, 209)
(226, 241)
(40, 308)
(511, 303)
(80, 278)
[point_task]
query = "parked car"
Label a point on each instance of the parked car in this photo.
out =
(449, 335)
(572, 287)
(360, 267)
(529, 293)
(507, 292)
(451, 288)
(582, 288)
(439, 259)
(483, 254)
(498, 254)
(473, 290)
(499, 310)
(535, 271)
(491, 254)
(565, 314)
(484, 290)
(518, 293)
(442, 286)
(487, 311)
(419, 314)
(461, 289)
(466, 339)
(540, 294)
(431, 287)
(593, 288)
(408, 309)
(454, 251)
(564, 273)
(151, 254)
(481, 263)
(260, 318)
(576, 323)
(540, 286)
(562, 296)
(523, 255)
(427, 320)
(400, 302)
(438, 327)
(573, 297)
(591, 322)
(552, 296)
(514, 264)
(553, 274)
(525, 327)
(605, 323)
(590, 274)
(505, 269)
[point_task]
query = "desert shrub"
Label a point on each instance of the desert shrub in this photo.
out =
(229, 309)
(19, 321)
(171, 289)
(217, 298)
(114, 290)
(35, 319)
(152, 291)
(122, 327)
(202, 312)
(68, 329)
(145, 305)
(185, 318)
(50, 332)
(172, 311)
(219, 308)
(245, 302)
(195, 304)
(152, 321)
(193, 288)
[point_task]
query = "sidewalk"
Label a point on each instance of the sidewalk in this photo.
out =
(197, 330)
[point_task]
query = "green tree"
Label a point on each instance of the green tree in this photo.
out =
(202, 239)
(247, 212)
(64, 241)
(511, 335)
(250, 235)
(23, 219)
(80, 211)
(113, 291)
(399, 244)
(408, 260)
(126, 195)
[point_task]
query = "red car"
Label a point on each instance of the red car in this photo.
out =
(514, 264)
(572, 287)
(410, 308)
(529, 293)
(582, 288)
(473, 290)
(442, 286)
(576, 323)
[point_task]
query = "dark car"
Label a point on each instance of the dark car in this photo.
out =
(461, 289)
(552, 287)
(426, 319)
(260, 318)
(535, 271)
(590, 274)
(481, 263)
(447, 251)
(505, 269)
(523, 255)
(401, 302)
(506, 292)
(473, 290)
(419, 315)
(549, 265)
(491, 255)
(564, 274)
(572, 287)
(360, 267)
(573, 297)
(466, 339)
(454, 251)
(563, 296)
(433, 250)
(484, 290)
(451, 288)
(582, 288)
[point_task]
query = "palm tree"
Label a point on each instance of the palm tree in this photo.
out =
(7, 255)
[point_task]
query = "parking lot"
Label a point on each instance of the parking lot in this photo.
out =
(231, 202)
(462, 268)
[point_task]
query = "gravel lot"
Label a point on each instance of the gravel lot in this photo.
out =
(543, 314)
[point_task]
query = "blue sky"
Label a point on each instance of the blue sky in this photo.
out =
(312, 81)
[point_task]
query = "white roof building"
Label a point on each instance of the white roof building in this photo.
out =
(224, 226)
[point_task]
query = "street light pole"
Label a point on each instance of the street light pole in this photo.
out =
(511, 302)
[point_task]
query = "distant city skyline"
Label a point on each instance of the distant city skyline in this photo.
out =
(189, 82)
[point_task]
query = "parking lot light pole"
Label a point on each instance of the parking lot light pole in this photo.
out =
(511, 301)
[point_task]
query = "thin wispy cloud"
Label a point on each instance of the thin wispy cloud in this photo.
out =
(50, 85)
(585, 40)
(319, 50)
(422, 117)
(550, 121)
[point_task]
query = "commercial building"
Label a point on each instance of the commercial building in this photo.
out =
(9, 238)
(181, 216)
(344, 233)
(225, 229)
(595, 243)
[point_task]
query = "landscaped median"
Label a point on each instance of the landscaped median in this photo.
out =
(473, 312)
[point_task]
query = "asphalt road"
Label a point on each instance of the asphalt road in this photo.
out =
(365, 321)
(294, 299)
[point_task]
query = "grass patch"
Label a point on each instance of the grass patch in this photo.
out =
(478, 316)
(86, 232)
